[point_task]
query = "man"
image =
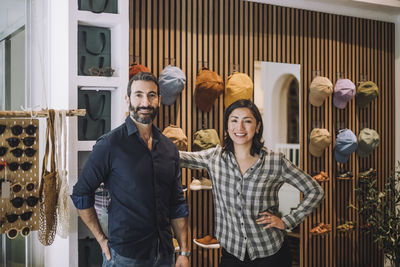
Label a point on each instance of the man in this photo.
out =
(140, 168)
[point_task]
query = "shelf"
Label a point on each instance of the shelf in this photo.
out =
(99, 81)
(85, 145)
(89, 18)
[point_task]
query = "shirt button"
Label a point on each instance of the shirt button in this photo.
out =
(242, 223)
(245, 238)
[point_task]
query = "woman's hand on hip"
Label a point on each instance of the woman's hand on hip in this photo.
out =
(271, 221)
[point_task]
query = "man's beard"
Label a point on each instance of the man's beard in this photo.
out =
(144, 120)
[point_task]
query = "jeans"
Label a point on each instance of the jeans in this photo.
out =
(121, 261)
(282, 258)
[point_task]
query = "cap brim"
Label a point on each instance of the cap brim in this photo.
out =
(168, 100)
(315, 101)
(340, 157)
(316, 152)
(338, 103)
(363, 153)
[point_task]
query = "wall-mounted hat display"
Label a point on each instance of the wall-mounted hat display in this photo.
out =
(172, 81)
(209, 86)
(320, 89)
(319, 140)
(238, 86)
(344, 92)
(176, 135)
(345, 145)
(135, 69)
(205, 139)
(368, 140)
(366, 92)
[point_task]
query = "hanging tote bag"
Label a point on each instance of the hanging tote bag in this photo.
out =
(48, 192)
(97, 120)
(94, 48)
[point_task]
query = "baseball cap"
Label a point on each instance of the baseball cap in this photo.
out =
(320, 89)
(346, 143)
(366, 92)
(205, 139)
(172, 81)
(135, 69)
(238, 86)
(319, 140)
(344, 92)
(209, 86)
(176, 135)
(368, 140)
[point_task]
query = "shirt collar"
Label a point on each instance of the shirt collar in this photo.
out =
(132, 129)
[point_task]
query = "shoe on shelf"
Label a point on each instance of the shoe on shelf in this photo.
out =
(348, 226)
(197, 184)
(367, 174)
(207, 242)
(176, 245)
(345, 176)
(321, 229)
(184, 188)
(321, 177)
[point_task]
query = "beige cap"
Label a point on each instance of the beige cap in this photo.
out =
(320, 89)
(238, 86)
(319, 140)
(176, 135)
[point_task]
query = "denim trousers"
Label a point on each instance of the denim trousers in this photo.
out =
(121, 261)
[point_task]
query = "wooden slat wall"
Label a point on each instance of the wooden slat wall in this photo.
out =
(228, 35)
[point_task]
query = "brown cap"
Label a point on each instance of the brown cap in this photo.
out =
(176, 135)
(209, 86)
(320, 89)
(135, 69)
(238, 86)
(319, 140)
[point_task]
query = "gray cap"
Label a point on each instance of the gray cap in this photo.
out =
(172, 81)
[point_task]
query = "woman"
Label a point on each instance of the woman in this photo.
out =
(246, 178)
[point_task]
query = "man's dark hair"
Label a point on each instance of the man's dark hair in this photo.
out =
(257, 143)
(142, 76)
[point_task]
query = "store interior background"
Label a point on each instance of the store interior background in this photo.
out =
(188, 35)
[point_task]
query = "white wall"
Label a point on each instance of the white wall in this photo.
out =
(271, 83)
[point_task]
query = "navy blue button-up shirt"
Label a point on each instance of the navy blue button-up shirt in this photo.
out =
(144, 185)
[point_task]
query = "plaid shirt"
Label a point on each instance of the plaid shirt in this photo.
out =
(238, 199)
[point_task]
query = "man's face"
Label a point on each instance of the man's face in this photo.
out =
(143, 101)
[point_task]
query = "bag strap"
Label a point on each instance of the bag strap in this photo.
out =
(103, 41)
(49, 137)
(89, 110)
(100, 11)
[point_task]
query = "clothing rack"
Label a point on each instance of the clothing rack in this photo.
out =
(40, 113)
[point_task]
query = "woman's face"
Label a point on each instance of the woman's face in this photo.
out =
(242, 126)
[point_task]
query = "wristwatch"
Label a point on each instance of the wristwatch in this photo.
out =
(184, 253)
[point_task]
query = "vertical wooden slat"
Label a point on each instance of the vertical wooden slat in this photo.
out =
(225, 33)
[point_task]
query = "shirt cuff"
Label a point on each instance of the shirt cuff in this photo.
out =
(289, 222)
(83, 202)
(180, 211)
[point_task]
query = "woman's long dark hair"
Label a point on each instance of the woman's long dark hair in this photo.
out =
(257, 142)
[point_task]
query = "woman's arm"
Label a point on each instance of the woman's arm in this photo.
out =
(196, 160)
(312, 192)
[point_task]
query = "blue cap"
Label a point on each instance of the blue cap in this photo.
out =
(346, 143)
(172, 81)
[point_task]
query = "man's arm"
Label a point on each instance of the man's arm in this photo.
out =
(180, 227)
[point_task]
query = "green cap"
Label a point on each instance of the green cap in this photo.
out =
(368, 140)
(366, 92)
(205, 139)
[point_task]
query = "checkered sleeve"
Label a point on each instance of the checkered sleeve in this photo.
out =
(196, 160)
(312, 192)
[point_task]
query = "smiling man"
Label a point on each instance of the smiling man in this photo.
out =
(140, 168)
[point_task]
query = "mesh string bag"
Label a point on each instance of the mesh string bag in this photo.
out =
(48, 189)
(61, 164)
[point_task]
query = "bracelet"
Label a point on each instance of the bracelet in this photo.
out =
(102, 240)
(184, 253)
